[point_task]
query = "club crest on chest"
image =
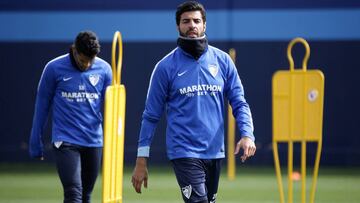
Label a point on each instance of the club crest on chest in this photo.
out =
(94, 79)
(213, 69)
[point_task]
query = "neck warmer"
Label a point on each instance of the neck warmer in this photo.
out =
(193, 46)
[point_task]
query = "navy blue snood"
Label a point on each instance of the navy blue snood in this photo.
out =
(193, 46)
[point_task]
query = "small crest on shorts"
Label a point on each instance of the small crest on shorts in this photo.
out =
(213, 70)
(213, 200)
(94, 79)
(187, 191)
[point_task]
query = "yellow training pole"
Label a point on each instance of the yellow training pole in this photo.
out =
(114, 130)
(316, 171)
(290, 171)
(231, 162)
(292, 117)
(278, 171)
(231, 169)
(297, 117)
(303, 171)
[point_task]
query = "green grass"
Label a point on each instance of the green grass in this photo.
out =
(40, 184)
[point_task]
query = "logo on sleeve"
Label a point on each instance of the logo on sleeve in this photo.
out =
(187, 191)
(213, 69)
(94, 79)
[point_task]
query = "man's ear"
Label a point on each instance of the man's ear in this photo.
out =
(204, 26)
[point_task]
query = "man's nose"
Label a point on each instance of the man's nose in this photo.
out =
(192, 24)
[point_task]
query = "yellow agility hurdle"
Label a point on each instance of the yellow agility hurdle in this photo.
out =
(231, 162)
(114, 128)
(297, 117)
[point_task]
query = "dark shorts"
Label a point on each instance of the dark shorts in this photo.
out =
(197, 178)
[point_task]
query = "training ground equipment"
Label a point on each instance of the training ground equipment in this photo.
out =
(231, 162)
(298, 97)
(114, 128)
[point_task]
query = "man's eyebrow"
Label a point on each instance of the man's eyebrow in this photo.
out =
(191, 18)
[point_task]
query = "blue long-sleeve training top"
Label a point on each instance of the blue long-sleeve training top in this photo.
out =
(192, 93)
(77, 100)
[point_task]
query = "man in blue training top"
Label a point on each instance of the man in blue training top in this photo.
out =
(191, 83)
(74, 86)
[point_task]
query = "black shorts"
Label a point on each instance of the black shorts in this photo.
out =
(198, 178)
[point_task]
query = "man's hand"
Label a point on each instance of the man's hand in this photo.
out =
(140, 174)
(248, 146)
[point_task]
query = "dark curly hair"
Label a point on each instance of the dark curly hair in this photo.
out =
(190, 6)
(87, 43)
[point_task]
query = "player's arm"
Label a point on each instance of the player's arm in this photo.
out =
(241, 112)
(154, 107)
(43, 102)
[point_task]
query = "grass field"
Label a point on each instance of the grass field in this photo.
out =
(40, 184)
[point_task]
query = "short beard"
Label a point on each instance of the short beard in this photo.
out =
(184, 34)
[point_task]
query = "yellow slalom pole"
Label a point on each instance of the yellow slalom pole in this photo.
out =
(303, 171)
(278, 171)
(114, 130)
(231, 169)
(231, 162)
(316, 171)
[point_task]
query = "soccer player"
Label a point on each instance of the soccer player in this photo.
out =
(191, 83)
(74, 86)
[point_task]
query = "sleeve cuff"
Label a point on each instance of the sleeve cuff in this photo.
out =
(143, 151)
(249, 136)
